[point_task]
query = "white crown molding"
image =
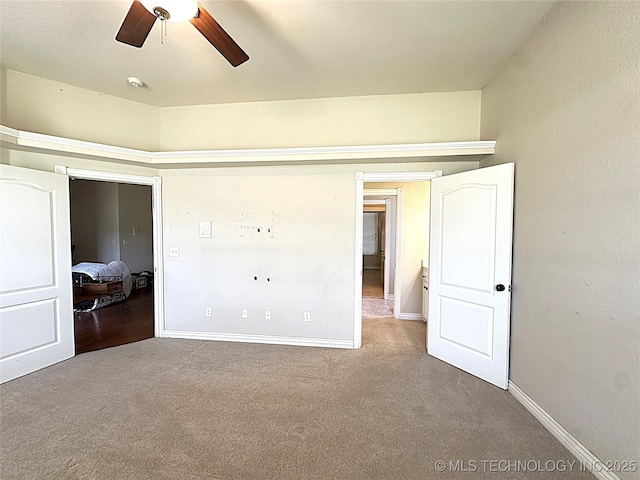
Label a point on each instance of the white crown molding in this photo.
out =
(397, 177)
(313, 155)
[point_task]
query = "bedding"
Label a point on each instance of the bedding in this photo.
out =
(88, 272)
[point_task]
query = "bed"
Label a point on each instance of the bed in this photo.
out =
(96, 285)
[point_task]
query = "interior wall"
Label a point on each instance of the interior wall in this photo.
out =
(47, 162)
(95, 230)
(566, 110)
(415, 240)
(3, 96)
(308, 256)
(282, 240)
(39, 105)
(83, 229)
(44, 106)
(365, 120)
(136, 226)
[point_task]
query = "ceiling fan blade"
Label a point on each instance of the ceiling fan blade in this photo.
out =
(136, 25)
(220, 39)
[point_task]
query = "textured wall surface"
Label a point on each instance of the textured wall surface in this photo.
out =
(134, 202)
(95, 229)
(39, 105)
(375, 120)
(566, 110)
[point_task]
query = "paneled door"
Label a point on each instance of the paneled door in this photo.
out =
(36, 312)
(470, 271)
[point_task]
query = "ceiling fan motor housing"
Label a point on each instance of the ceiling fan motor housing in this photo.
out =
(161, 13)
(172, 10)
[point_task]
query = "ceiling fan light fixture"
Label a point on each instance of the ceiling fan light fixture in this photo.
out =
(178, 10)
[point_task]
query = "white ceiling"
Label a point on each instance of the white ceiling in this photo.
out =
(297, 49)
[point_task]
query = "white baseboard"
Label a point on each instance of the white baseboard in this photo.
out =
(268, 339)
(411, 316)
(582, 453)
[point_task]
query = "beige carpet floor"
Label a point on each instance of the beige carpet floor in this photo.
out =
(189, 409)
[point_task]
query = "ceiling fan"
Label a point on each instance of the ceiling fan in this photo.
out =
(143, 14)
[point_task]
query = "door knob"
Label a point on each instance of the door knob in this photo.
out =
(500, 287)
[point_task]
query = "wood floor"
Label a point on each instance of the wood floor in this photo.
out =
(116, 324)
(371, 284)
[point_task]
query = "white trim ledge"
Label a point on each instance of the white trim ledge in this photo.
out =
(266, 339)
(12, 138)
(411, 316)
(584, 455)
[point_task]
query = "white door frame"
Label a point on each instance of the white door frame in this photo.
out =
(361, 178)
(387, 241)
(156, 203)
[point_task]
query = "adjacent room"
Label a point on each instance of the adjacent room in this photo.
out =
(319, 239)
(111, 228)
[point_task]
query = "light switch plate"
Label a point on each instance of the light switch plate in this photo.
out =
(205, 229)
(174, 251)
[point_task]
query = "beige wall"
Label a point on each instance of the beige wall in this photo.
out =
(47, 161)
(375, 120)
(95, 231)
(134, 208)
(566, 110)
(38, 105)
(3, 96)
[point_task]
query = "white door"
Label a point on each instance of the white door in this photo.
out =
(36, 312)
(470, 271)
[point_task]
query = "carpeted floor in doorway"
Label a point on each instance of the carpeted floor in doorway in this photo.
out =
(189, 409)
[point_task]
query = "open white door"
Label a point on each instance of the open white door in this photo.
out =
(36, 312)
(470, 271)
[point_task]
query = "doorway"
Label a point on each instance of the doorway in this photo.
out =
(135, 238)
(382, 238)
(111, 225)
(404, 295)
